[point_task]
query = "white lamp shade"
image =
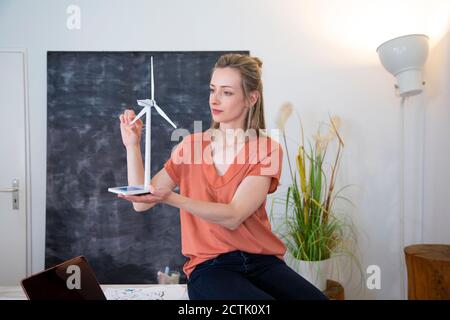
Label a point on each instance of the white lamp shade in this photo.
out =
(404, 57)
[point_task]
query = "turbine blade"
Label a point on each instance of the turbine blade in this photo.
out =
(143, 111)
(153, 79)
(164, 115)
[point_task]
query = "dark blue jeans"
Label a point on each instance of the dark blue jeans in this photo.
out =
(238, 275)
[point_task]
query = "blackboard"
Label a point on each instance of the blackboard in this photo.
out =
(86, 92)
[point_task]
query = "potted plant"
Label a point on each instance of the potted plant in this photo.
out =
(310, 229)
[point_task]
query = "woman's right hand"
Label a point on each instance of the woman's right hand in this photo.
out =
(131, 133)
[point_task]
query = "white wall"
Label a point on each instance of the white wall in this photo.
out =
(436, 228)
(319, 55)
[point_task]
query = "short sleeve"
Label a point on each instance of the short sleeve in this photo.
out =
(269, 166)
(174, 164)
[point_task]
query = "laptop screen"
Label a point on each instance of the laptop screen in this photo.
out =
(73, 279)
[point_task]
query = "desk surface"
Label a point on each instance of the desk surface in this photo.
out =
(119, 292)
(151, 292)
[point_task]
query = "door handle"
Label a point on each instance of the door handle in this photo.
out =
(15, 193)
(9, 190)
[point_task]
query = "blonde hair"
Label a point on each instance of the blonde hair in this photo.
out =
(250, 70)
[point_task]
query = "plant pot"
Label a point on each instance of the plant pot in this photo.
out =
(315, 272)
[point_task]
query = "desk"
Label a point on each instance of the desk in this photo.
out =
(428, 267)
(334, 291)
(119, 292)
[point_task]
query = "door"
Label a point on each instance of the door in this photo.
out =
(13, 164)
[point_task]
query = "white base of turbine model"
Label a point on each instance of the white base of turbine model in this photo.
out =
(147, 105)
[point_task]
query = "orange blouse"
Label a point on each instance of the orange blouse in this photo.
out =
(191, 167)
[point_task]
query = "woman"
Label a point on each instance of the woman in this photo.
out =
(226, 235)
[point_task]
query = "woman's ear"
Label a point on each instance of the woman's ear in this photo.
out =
(254, 96)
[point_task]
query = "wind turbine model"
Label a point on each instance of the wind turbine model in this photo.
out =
(147, 105)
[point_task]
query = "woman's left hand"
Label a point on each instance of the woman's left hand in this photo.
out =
(157, 195)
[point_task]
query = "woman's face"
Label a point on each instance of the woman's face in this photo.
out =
(226, 98)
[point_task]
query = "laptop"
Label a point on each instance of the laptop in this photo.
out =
(73, 279)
